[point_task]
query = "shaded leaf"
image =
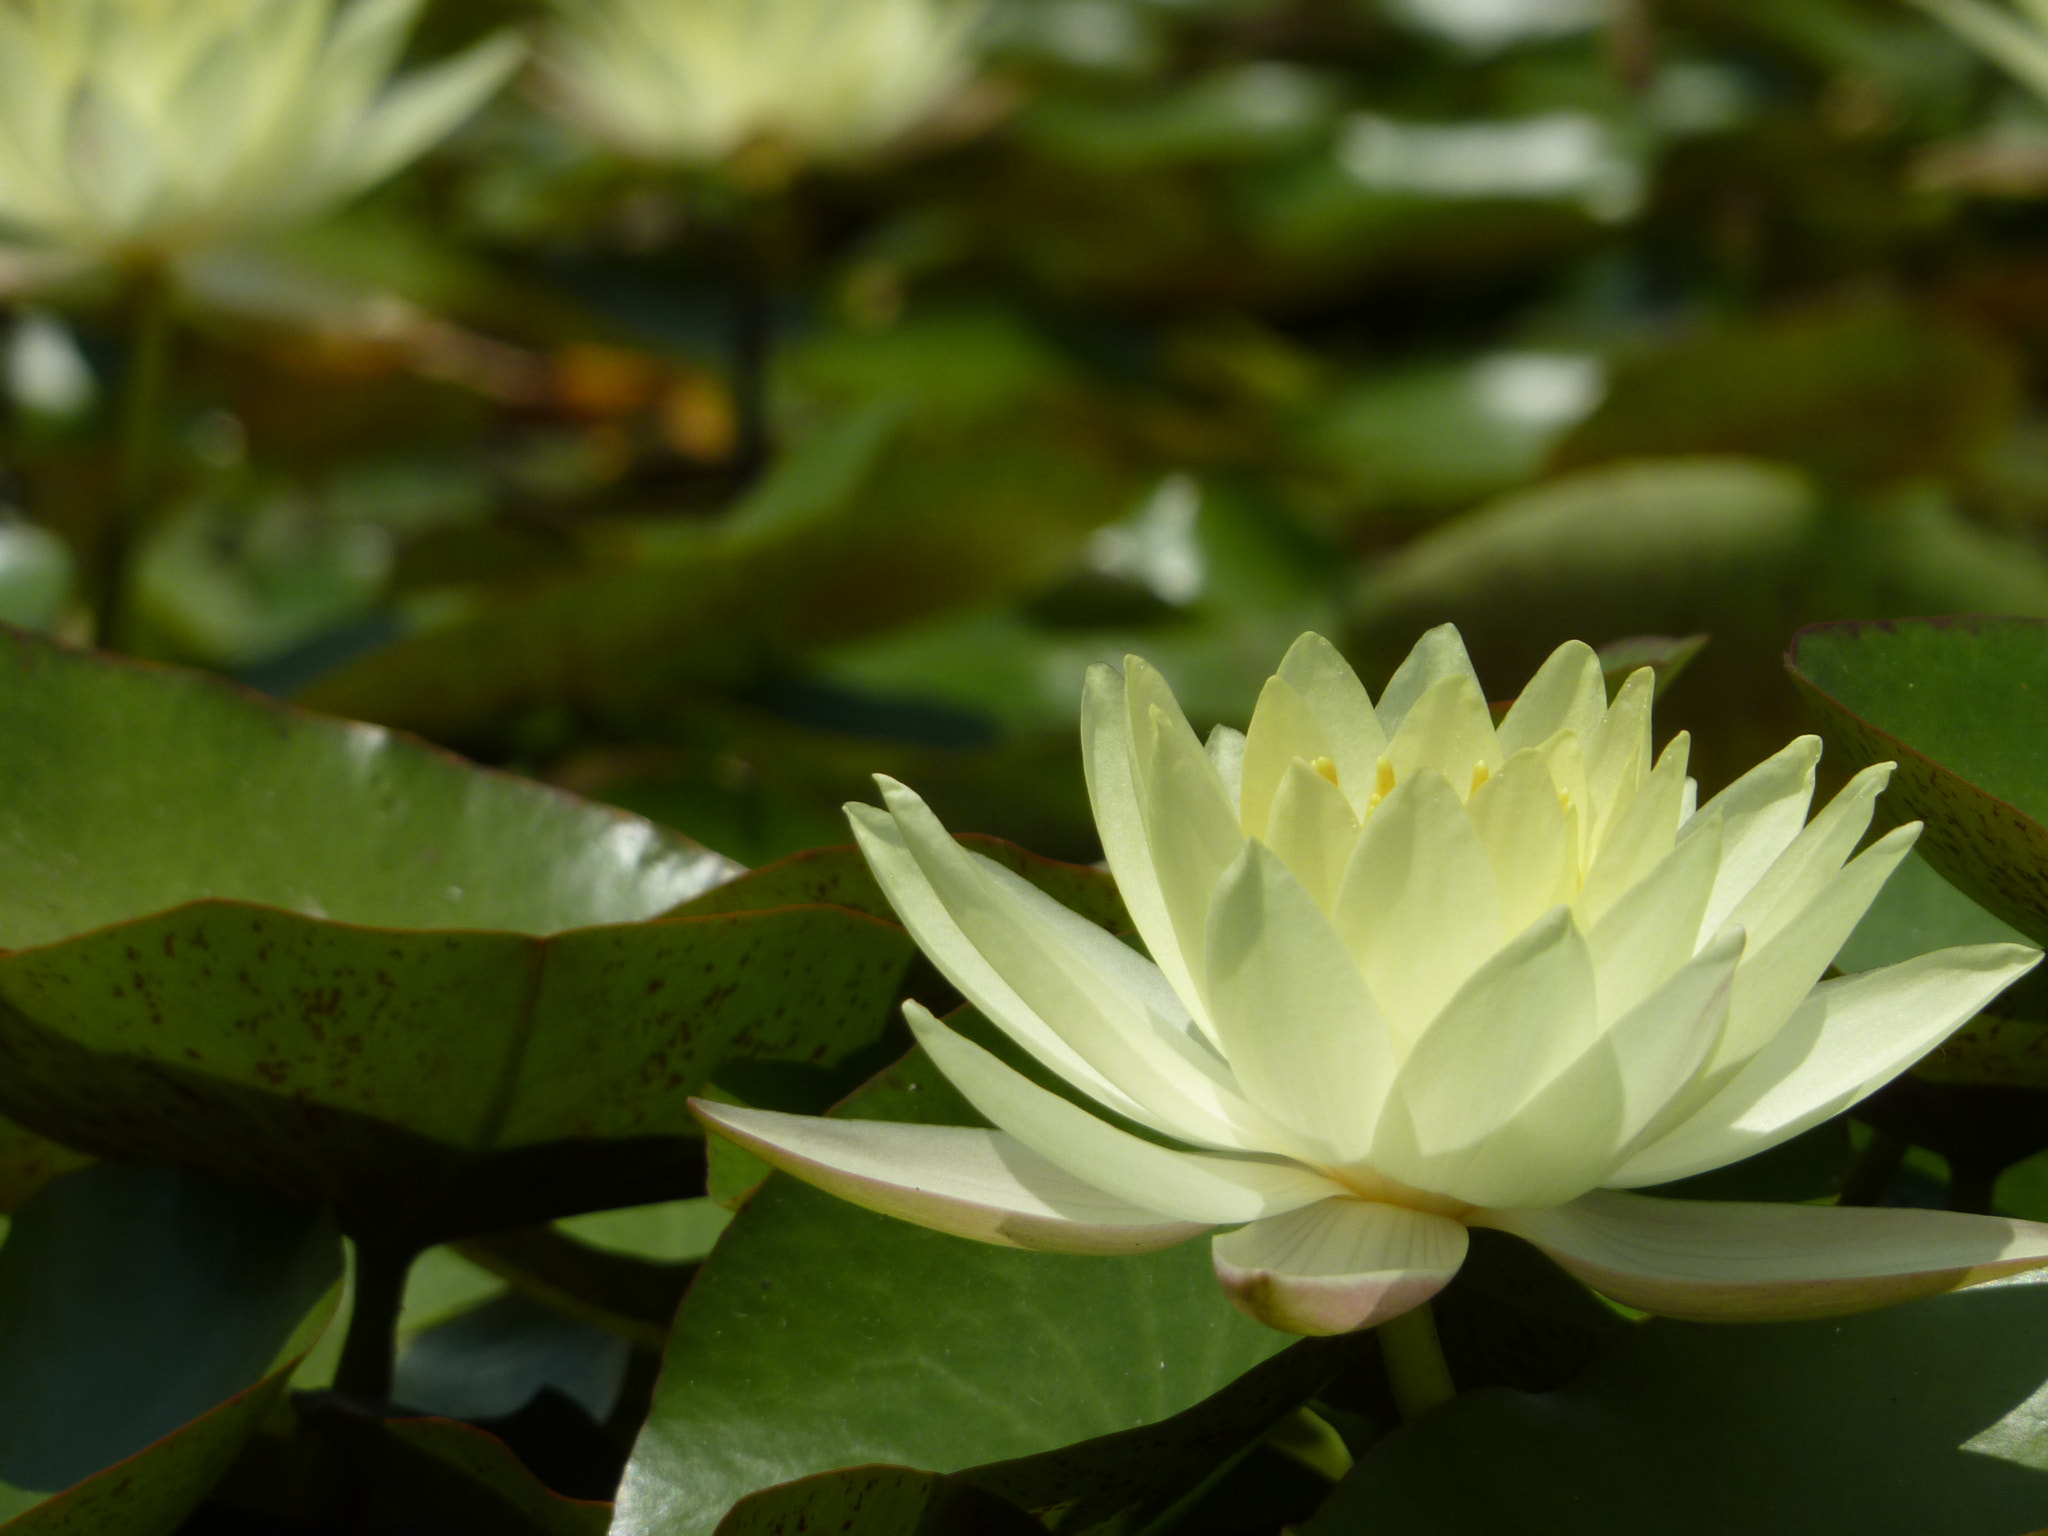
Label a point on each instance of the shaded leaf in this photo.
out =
(149, 1319)
(1918, 1418)
(877, 1501)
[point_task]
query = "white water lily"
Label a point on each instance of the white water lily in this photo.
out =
(1413, 973)
(136, 129)
(698, 81)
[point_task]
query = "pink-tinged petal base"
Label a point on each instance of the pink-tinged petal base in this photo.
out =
(1337, 1265)
(972, 1183)
(1706, 1261)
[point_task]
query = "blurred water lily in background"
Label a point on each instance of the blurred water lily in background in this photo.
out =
(699, 81)
(1413, 973)
(133, 130)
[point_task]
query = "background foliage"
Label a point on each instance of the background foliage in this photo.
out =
(1188, 325)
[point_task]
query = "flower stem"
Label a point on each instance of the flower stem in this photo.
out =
(142, 399)
(368, 1352)
(1415, 1363)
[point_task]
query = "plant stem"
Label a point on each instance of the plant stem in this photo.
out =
(142, 401)
(372, 1343)
(1415, 1363)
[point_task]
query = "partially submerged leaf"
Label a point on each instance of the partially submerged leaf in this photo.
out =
(149, 1318)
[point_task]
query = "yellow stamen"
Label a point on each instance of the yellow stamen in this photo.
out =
(1480, 774)
(1382, 784)
(1326, 768)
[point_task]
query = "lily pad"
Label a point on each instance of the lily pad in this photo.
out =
(1924, 1417)
(149, 1319)
(311, 954)
(819, 1336)
(1961, 705)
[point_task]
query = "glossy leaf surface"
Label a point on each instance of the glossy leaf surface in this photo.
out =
(821, 1336)
(1961, 705)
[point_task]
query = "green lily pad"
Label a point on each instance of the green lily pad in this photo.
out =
(877, 1501)
(262, 943)
(819, 1336)
(149, 1319)
(1961, 705)
(28, 1162)
(1920, 1418)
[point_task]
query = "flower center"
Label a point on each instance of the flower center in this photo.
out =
(1381, 1190)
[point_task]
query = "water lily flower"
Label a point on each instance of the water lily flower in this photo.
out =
(134, 130)
(1412, 973)
(700, 81)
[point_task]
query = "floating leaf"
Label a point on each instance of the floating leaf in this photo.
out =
(820, 1336)
(429, 1078)
(1923, 1417)
(149, 1319)
(1961, 705)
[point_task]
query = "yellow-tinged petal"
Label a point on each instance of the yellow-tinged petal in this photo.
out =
(1342, 709)
(1419, 910)
(1637, 838)
(1338, 1265)
(1283, 731)
(1644, 939)
(1710, 1262)
(972, 1183)
(1529, 838)
(1439, 654)
(1313, 831)
(1568, 693)
(1301, 1033)
(1522, 1018)
(1448, 729)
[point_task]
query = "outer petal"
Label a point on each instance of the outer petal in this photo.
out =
(1056, 973)
(1638, 836)
(1776, 977)
(1617, 759)
(1338, 1265)
(1648, 936)
(938, 935)
(1712, 1262)
(971, 1183)
(1849, 1038)
(1193, 833)
(1109, 760)
(1193, 1186)
(1813, 858)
